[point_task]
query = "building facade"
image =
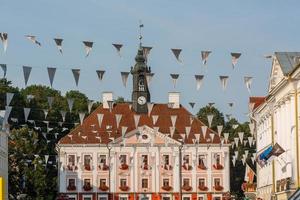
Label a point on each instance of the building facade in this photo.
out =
(3, 159)
(276, 118)
(143, 150)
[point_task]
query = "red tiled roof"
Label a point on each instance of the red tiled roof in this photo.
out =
(90, 127)
(257, 101)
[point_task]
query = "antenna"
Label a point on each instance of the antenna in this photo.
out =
(140, 36)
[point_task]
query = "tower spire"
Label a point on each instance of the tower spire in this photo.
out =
(140, 36)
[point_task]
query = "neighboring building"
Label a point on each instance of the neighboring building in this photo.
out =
(3, 158)
(143, 150)
(276, 118)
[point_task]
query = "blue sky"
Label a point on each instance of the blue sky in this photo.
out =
(254, 28)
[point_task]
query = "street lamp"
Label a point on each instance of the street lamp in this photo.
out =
(180, 168)
(109, 147)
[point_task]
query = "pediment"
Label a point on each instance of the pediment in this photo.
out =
(276, 74)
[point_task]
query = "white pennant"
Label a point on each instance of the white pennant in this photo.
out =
(204, 130)
(233, 161)
(199, 80)
(204, 56)
(76, 75)
(234, 126)
(118, 119)
(46, 158)
(50, 101)
(212, 136)
(197, 136)
(51, 74)
(176, 53)
(244, 160)
(236, 154)
(81, 117)
(150, 107)
(146, 52)
(4, 68)
(124, 129)
(236, 141)
(9, 97)
(58, 42)
(209, 119)
(118, 48)
(88, 47)
(224, 81)
(172, 131)
(45, 112)
(100, 119)
(26, 113)
(156, 129)
(26, 73)
(191, 119)
(241, 136)
(90, 105)
(6, 115)
(248, 82)
(4, 40)
(100, 74)
(245, 142)
(136, 120)
(219, 128)
(149, 77)
(187, 131)
(174, 78)
(154, 119)
(246, 153)
(33, 39)
(124, 76)
(63, 115)
(251, 127)
(182, 136)
(250, 140)
(29, 97)
(253, 159)
(70, 103)
(234, 58)
(173, 120)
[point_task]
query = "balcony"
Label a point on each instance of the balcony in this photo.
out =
(187, 167)
(71, 167)
(124, 188)
(87, 167)
(103, 167)
(71, 188)
(218, 187)
(167, 167)
(103, 187)
(124, 166)
(202, 166)
(145, 167)
(87, 187)
(187, 188)
(218, 166)
(166, 188)
(202, 188)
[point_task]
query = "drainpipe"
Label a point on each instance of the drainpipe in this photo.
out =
(180, 171)
(297, 137)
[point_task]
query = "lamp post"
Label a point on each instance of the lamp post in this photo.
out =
(180, 169)
(109, 147)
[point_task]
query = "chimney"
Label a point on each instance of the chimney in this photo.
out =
(106, 97)
(174, 99)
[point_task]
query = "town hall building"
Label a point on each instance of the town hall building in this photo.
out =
(143, 150)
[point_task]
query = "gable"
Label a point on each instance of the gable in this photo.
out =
(276, 74)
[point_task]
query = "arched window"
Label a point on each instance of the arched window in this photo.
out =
(141, 83)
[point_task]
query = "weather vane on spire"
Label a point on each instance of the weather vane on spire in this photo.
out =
(141, 37)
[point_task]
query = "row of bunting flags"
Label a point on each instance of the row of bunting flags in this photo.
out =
(124, 76)
(88, 46)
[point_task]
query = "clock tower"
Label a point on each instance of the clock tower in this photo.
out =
(140, 92)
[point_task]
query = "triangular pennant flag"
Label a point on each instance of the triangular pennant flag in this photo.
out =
(173, 120)
(70, 103)
(192, 104)
(46, 158)
(58, 42)
(187, 131)
(234, 58)
(6, 115)
(241, 136)
(100, 74)
(150, 107)
(76, 75)
(81, 117)
(33, 39)
(253, 160)
(26, 73)
(204, 56)
(236, 141)
(234, 126)
(236, 154)
(88, 47)
(204, 130)
(156, 128)
(209, 119)
(9, 97)
(244, 160)
(224, 80)
(245, 142)
(191, 119)
(124, 129)
(250, 140)
(118, 48)
(149, 77)
(118, 119)
(197, 136)
(50, 101)
(182, 135)
(146, 51)
(4, 40)
(212, 136)
(4, 69)
(51, 74)
(90, 105)
(44, 135)
(246, 153)
(248, 82)
(219, 128)
(110, 105)
(174, 78)
(172, 131)
(26, 113)
(199, 80)
(154, 119)
(29, 97)
(230, 105)
(211, 104)
(136, 120)
(100, 119)
(176, 53)
(251, 127)
(234, 161)
(124, 76)
(45, 113)
(232, 145)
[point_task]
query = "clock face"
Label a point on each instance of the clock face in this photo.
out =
(141, 100)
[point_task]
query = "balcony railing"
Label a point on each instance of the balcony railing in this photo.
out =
(87, 187)
(71, 187)
(187, 188)
(202, 166)
(202, 188)
(103, 187)
(166, 188)
(218, 166)
(103, 167)
(167, 167)
(186, 166)
(124, 188)
(124, 166)
(218, 187)
(72, 167)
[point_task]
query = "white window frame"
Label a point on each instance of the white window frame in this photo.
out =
(72, 196)
(186, 196)
(188, 179)
(98, 158)
(205, 181)
(68, 178)
(102, 196)
(125, 179)
(201, 196)
(71, 154)
(217, 195)
(221, 182)
(141, 196)
(91, 158)
(87, 196)
(106, 181)
(205, 159)
(147, 182)
(123, 196)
